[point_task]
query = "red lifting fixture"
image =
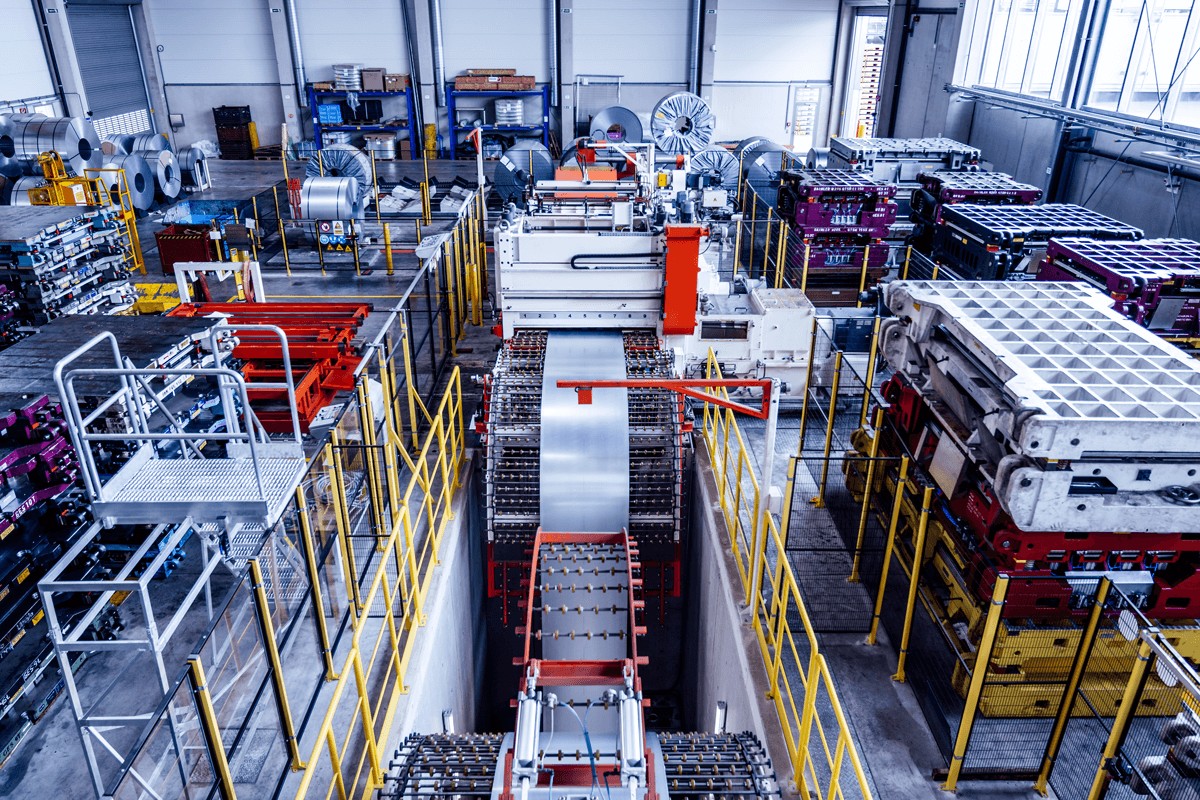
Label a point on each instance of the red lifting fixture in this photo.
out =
(688, 387)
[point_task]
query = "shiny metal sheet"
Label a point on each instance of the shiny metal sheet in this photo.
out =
(585, 448)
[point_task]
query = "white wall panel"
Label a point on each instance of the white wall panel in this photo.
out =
(646, 41)
(23, 70)
(486, 34)
(215, 42)
(775, 40)
(367, 32)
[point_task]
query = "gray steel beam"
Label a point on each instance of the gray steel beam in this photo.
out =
(289, 92)
(566, 69)
(64, 52)
(709, 19)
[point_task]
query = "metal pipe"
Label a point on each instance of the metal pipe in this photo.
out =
(554, 48)
(694, 48)
(439, 57)
(297, 53)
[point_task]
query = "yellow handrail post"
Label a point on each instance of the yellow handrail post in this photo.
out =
(804, 271)
(737, 245)
(915, 579)
(862, 279)
(1074, 680)
(907, 260)
(872, 357)
(267, 631)
(785, 518)
(1124, 718)
(866, 502)
(753, 232)
(807, 715)
(780, 253)
(897, 503)
(819, 500)
(808, 377)
(387, 247)
(983, 658)
(210, 728)
(314, 580)
(342, 507)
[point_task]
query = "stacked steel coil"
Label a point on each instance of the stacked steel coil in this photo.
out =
(342, 161)
(682, 123)
(139, 178)
(331, 198)
(73, 138)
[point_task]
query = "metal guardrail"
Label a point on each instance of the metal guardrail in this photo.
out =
(824, 758)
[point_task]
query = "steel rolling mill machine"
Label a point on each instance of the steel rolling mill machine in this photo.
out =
(585, 493)
(1056, 443)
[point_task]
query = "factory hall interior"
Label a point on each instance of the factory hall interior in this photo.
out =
(599, 399)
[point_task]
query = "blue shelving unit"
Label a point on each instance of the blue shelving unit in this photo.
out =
(409, 124)
(456, 131)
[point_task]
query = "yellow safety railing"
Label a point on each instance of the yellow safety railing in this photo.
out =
(823, 756)
(385, 615)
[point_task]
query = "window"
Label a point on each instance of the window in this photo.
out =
(1023, 45)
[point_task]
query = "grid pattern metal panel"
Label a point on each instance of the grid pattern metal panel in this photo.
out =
(1018, 225)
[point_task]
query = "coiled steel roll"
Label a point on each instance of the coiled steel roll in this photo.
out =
(330, 198)
(818, 158)
(342, 161)
(524, 160)
(139, 178)
(20, 190)
(616, 124)
(147, 142)
(718, 160)
(9, 166)
(761, 160)
(120, 143)
(682, 123)
(189, 161)
(166, 172)
(73, 138)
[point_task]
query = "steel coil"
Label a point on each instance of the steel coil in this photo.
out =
(818, 158)
(9, 166)
(120, 143)
(139, 178)
(761, 160)
(616, 124)
(147, 142)
(20, 190)
(718, 161)
(191, 165)
(330, 198)
(525, 160)
(682, 123)
(342, 161)
(166, 172)
(73, 138)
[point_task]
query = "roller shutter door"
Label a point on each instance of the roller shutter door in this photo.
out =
(107, 50)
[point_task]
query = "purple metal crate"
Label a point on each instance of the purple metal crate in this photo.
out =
(829, 201)
(995, 188)
(1155, 282)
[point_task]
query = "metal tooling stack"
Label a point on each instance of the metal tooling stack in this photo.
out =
(1155, 282)
(42, 507)
(62, 260)
(945, 188)
(975, 242)
(838, 221)
(899, 162)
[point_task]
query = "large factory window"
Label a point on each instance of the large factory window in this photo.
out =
(1023, 46)
(1142, 68)
(866, 66)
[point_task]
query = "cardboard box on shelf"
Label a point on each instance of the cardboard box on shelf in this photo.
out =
(322, 86)
(372, 79)
(487, 72)
(495, 83)
(395, 83)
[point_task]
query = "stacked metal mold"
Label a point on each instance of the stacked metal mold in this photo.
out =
(1155, 282)
(61, 260)
(1056, 439)
(988, 242)
(899, 162)
(838, 219)
(945, 188)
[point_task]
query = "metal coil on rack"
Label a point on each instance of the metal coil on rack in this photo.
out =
(139, 178)
(616, 124)
(166, 172)
(682, 123)
(330, 198)
(192, 165)
(525, 160)
(760, 160)
(342, 161)
(715, 160)
(73, 138)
